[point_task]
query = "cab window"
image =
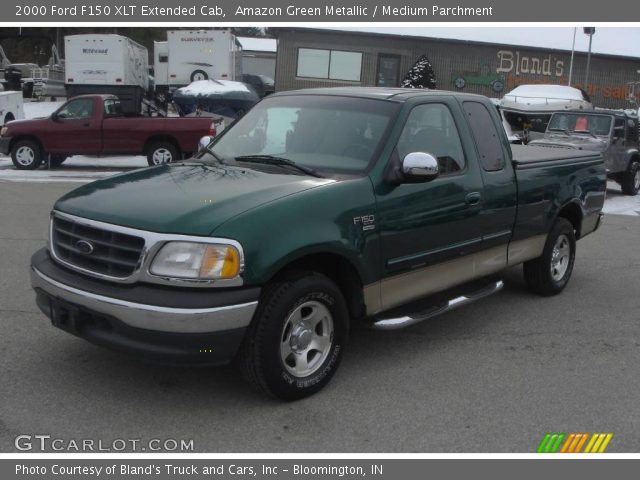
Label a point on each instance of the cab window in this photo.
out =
(488, 140)
(431, 129)
(77, 109)
(112, 108)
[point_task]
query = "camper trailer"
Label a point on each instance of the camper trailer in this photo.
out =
(107, 64)
(191, 55)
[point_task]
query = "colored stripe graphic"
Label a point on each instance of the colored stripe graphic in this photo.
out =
(555, 442)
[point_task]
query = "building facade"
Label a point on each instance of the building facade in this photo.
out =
(309, 58)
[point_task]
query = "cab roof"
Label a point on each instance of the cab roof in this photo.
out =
(379, 93)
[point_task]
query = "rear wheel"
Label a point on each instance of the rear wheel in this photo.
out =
(161, 152)
(26, 155)
(296, 340)
(630, 180)
(550, 272)
(197, 75)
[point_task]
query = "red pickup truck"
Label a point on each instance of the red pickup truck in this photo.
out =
(95, 125)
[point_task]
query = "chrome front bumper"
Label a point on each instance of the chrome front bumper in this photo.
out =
(149, 317)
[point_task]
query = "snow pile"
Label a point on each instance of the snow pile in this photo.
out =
(213, 87)
(41, 109)
(421, 75)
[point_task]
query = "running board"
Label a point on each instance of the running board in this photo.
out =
(403, 321)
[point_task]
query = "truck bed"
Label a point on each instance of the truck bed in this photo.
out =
(527, 156)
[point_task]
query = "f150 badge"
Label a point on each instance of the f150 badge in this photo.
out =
(367, 222)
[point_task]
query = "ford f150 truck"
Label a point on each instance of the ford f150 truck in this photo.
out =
(316, 209)
(95, 125)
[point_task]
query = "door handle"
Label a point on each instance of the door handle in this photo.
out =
(472, 198)
(87, 124)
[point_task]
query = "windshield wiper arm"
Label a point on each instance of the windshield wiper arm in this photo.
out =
(273, 160)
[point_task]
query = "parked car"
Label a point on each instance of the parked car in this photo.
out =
(316, 209)
(262, 84)
(95, 125)
(613, 133)
(11, 107)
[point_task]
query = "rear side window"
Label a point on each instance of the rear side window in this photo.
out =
(486, 135)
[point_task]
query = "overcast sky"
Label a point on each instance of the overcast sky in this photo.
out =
(614, 40)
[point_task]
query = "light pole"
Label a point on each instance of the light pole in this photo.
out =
(588, 31)
(573, 49)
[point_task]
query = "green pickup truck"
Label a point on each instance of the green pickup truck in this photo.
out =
(316, 209)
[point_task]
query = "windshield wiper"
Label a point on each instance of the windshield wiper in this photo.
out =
(563, 130)
(273, 160)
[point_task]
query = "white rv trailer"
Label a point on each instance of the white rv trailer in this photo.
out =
(107, 63)
(190, 55)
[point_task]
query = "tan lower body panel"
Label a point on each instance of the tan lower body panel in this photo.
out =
(394, 291)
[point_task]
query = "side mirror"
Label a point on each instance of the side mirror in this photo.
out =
(55, 117)
(419, 167)
(204, 142)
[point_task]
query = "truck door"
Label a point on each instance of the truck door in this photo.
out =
(431, 232)
(75, 128)
(499, 195)
(616, 154)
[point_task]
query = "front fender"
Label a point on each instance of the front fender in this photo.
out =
(318, 220)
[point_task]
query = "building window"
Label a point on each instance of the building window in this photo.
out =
(329, 64)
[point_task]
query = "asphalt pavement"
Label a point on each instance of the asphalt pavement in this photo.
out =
(494, 376)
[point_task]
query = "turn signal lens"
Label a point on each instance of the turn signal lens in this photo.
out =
(220, 262)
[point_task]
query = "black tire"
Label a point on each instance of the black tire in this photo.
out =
(56, 160)
(158, 150)
(8, 118)
(199, 75)
(22, 159)
(538, 273)
(261, 359)
(630, 180)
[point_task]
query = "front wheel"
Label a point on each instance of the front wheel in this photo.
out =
(26, 155)
(630, 180)
(550, 272)
(296, 340)
(160, 153)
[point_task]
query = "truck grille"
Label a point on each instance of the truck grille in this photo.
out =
(95, 249)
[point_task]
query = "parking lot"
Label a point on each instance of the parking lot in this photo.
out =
(492, 377)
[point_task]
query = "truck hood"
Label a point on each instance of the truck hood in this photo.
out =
(187, 198)
(581, 142)
(31, 122)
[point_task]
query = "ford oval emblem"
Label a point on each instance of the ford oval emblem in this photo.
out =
(84, 247)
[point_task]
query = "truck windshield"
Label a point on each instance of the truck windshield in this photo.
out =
(580, 123)
(322, 133)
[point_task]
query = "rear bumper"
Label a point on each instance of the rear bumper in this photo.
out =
(177, 334)
(4, 145)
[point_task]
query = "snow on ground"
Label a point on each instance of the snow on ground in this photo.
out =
(619, 204)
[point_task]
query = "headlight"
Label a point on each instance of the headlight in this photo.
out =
(4, 131)
(203, 261)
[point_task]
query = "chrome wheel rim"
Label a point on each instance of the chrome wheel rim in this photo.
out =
(199, 76)
(161, 155)
(25, 156)
(306, 340)
(560, 257)
(637, 179)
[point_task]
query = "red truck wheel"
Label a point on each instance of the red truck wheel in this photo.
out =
(160, 153)
(26, 155)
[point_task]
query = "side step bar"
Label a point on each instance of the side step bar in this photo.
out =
(403, 321)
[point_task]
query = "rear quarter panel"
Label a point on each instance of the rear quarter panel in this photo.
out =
(544, 188)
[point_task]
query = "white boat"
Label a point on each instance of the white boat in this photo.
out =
(528, 108)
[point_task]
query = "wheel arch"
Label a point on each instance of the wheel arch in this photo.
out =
(572, 211)
(161, 138)
(337, 268)
(21, 137)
